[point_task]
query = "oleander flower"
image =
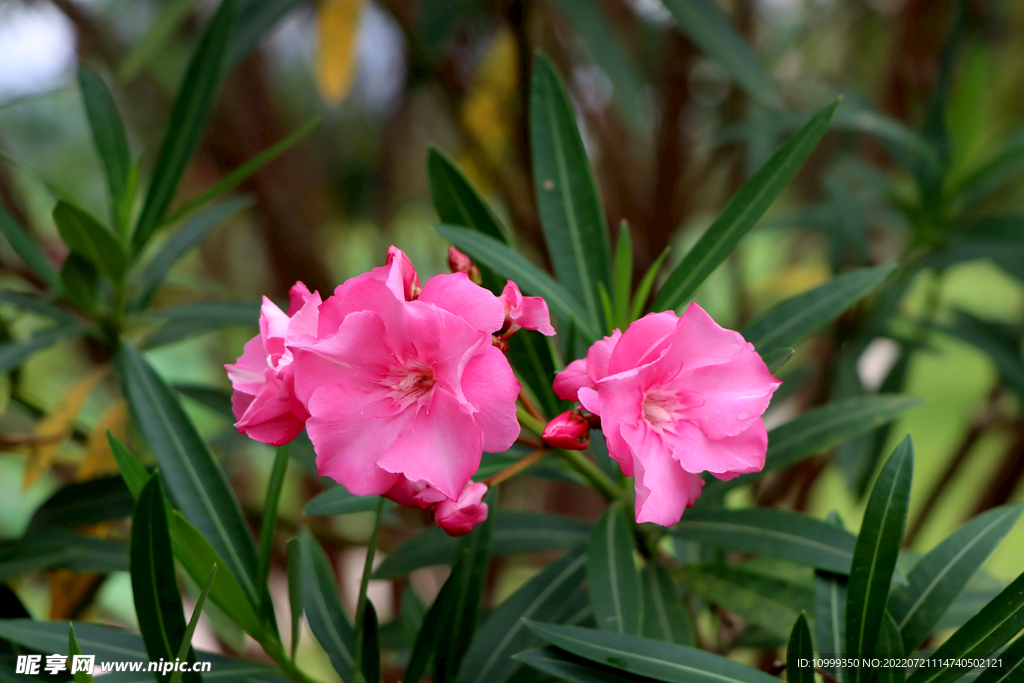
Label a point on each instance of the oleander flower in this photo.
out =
(263, 399)
(458, 517)
(525, 312)
(570, 431)
(404, 383)
(677, 396)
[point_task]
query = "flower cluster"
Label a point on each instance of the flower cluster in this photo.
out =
(676, 396)
(401, 387)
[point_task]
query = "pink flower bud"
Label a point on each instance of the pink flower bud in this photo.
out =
(524, 312)
(570, 431)
(458, 518)
(461, 263)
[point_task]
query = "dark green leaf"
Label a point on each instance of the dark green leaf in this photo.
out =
(612, 576)
(81, 503)
(546, 596)
(514, 532)
(665, 616)
(982, 636)
(1010, 667)
(830, 617)
(295, 591)
(799, 650)
(455, 199)
(703, 23)
(195, 319)
(133, 473)
(530, 356)
(57, 548)
(338, 501)
(80, 281)
(191, 111)
(37, 305)
(565, 667)
(531, 280)
(431, 634)
(766, 601)
(792, 320)
(190, 629)
(413, 613)
(623, 277)
(195, 481)
(154, 585)
(90, 239)
(214, 398)
(156, 39)
(567, 197)
(371, 645)
(183, 240)
(74, 649)
(986, 337)
(641, 656)
(13, 353)
(256, 18)
(269, 525)
(326, 617)
(777, 358)
(28, 250)
(643, 290)
(890, 646)
(772, 532)
(111, 142)
(874, 558)
(939, 577)
(742, 212)
(819, 429)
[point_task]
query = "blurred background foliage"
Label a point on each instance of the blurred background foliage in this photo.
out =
(924, 165)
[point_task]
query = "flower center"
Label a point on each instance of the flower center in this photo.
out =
(411, 382)
(660, 409)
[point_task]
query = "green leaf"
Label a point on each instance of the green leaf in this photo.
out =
(890, 646)
(545, 596)
(514, 532)
(768, 531)
(820, 429)
(199, 318)
(939, 577)
(800, 648)
(192, 109)
(74, 649)
(766, 601)
(256, 18)
(874, 558)
(643, 290)
(82, 503)
(413, 613)
(742, 213)
(623, 277)
(80, 281)
(326, 617)
(195, 481)
(830, 617)
(90, 239)
(431, 634)
(154, 589)
(156, 39)
(295, 591)
(181, 242)
(371, 645)
(983, 636)
(531, 280)
(238, 175)
(186, 641)
(455, 199)
(1011, 665)
(269, 526)
(777, 358)
(792, 320)
(612, 577)
(135, 475)
(59, 548)
(13, 353)
(665, 616)
(711, 31)
(565, 667)
(110, 139)
(28, 250)
(641, 656)
(567, 196)
(37, 305)
(530, 356)
(338, 501)
(987, 338)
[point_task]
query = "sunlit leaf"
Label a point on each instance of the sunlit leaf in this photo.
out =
(337, 30)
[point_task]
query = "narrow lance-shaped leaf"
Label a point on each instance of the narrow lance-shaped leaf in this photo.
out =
(1010, 665)
(295, 591)
(612, 577)
(186, 641)
(703, 23)
(322, 605)
(800, 650)
(191, 111)
(455, 199)
(28, 250)
(431, 634)
(665, 616)
(742, 212)
(830, 618)
(90, 239)
(269, 526)
(874, 558)
(109, 137)
(80, 281)
(73, 650)
(567, 197)
(13, 353)
(570, 669)
(643, 290)
(890, 647)
(939, 577)
(623, 277)
(371, 645)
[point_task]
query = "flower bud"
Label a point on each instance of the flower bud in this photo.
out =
(570, 431)
(460, 263)
(458, 518)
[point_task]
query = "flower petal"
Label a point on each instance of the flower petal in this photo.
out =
(456, 293)
(490, 386)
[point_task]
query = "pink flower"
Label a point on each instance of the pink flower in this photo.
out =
(677, 396)
(263, 399)
(570, 431)
(401, 388)
(525, 312)
(461, 263)
(458, 518)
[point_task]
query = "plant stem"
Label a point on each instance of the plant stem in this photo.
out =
(516, 467)
(357, 655)
(270, 514)
(600, 481)
(529, 421)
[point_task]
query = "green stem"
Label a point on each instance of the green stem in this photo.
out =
(275, 651)
(600, 481)
(270, 514)
(357, 666)
(529, 421)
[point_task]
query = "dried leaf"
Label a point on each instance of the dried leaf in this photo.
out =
(338, 25)
(98, 458)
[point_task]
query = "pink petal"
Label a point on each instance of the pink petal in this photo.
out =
(297, 296)
(734, 393)
(527, 312)
(402, 275)
(737, 454)
(491, 388)
(455, 292)
(458, 518)
(302, 328)
(663, 490)
(643, 342)
(705, 341)
(569, 381)
(599, 355)
(361, 293)
(246, 374)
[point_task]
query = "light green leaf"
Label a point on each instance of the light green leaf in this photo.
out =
(156, 39)
(742, 213)
(623, 277)
(567, 196)
(643, 290)
(269, 525)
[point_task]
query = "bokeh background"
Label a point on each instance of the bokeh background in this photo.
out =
(670, 137)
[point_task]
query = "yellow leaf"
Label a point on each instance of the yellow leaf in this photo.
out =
(98, 458)
(69, 590)
(58, 424)
(338, 24)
